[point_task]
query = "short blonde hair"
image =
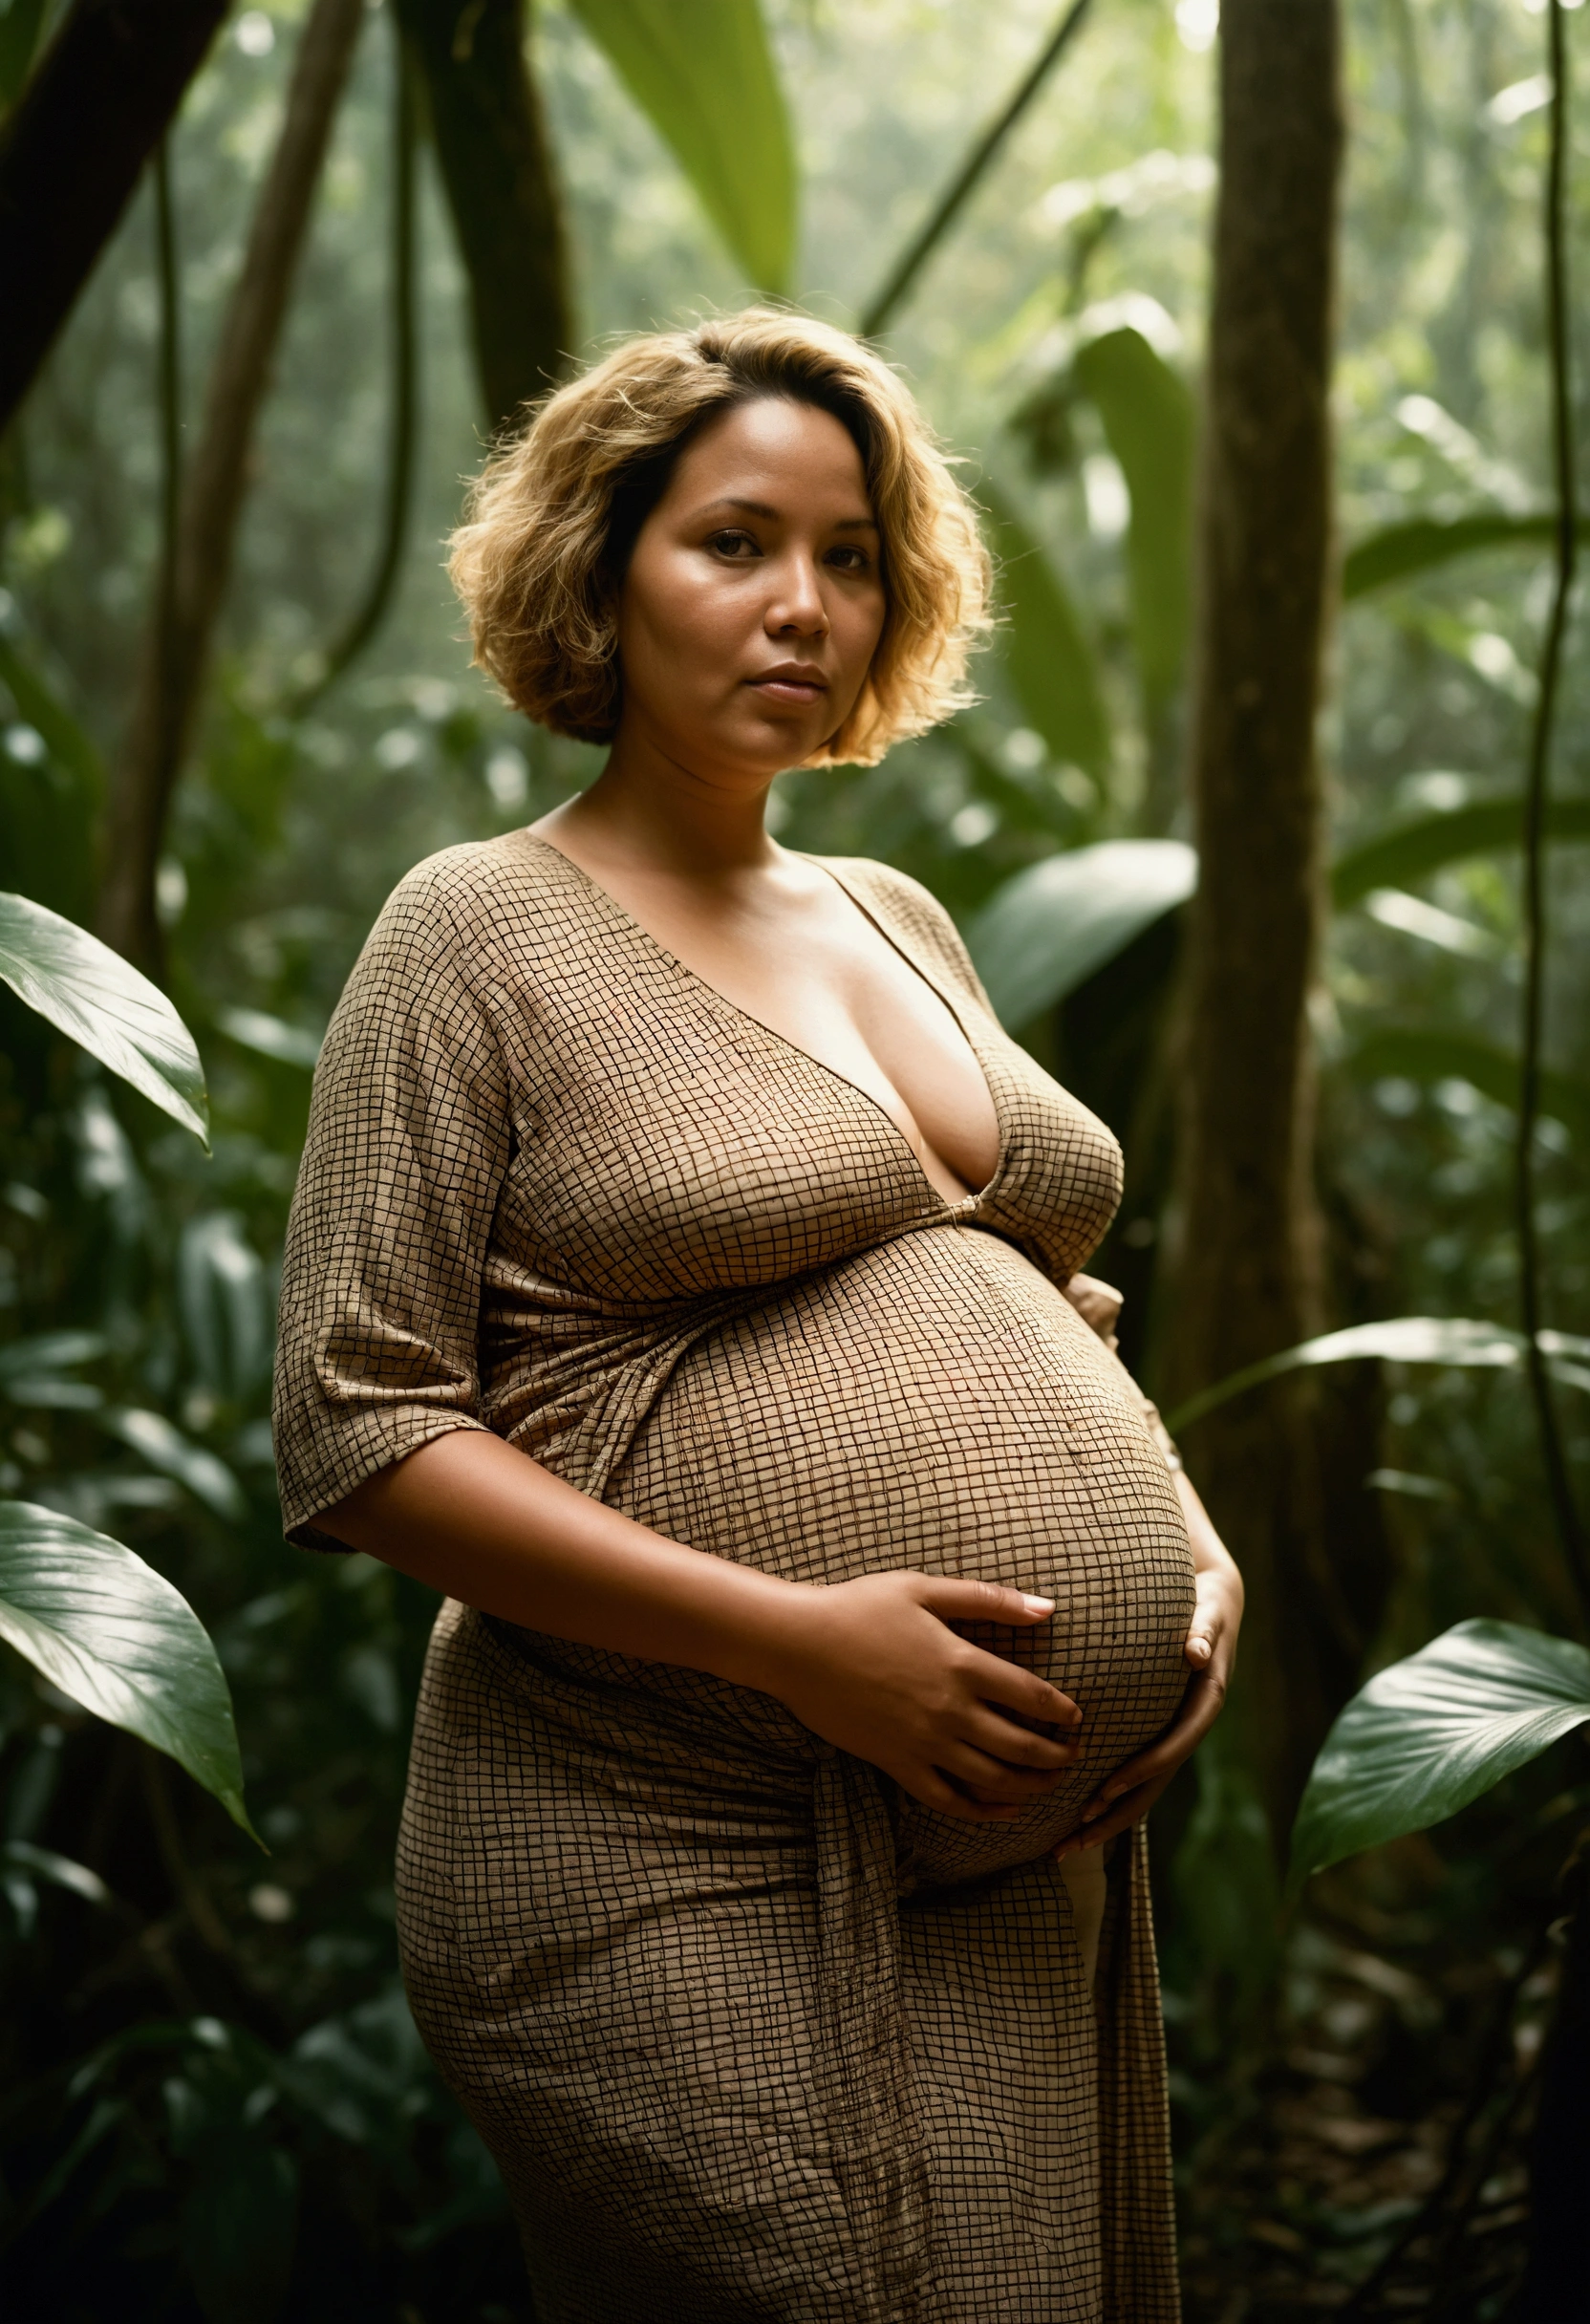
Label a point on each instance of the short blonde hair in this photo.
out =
(553, 516)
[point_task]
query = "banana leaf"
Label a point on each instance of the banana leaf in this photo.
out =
(1049, 659)
(1406, 1338)
(1430, 1734)
(706, 80)
(1149, 421)
(1047, 929)
(115, 1636)
(1425, 542)
(102, 1002)
(1413, 850)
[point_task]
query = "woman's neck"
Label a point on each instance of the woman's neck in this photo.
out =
(647, 806)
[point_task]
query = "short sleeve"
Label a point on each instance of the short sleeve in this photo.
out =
(381, 1277)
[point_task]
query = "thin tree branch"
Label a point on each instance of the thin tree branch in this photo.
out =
(1570, 1531)
(171, 675)
(405, 367)
(168, 276)
(95, 108)
(892, 296)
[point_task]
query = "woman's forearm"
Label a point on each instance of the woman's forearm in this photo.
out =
(478, 1521)
(872, 1665)
(1210, 1554)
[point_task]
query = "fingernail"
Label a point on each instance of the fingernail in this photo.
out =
(1038, 1606)
(1200, 1648)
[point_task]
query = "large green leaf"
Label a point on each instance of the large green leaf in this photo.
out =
(1424, 542)
(1430, 1734)
(1147, 417)
(1050, 662)
(1411, 1053)
(1405, 1339)
(1413, 850)
(20, 25)
(112, 1633)
(705, 78)
(1048, 928)
(102, 1002)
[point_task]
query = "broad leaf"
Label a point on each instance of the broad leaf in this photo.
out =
(49, 1351)
(1051, 926)
(1408, 1053)
(101, 1002)
(60, 1871)
(1406, 1338)
(166, 1448)
(112, 1633)
(20, 25)
(1147, 417)
(1413, 850)
(1050, 662)
(1430, 1734)
(704, 76)
(1425, 541)
(290, 1045)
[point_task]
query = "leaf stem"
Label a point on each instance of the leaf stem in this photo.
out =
(1559, 1483)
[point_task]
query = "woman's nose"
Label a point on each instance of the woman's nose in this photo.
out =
(796, 602)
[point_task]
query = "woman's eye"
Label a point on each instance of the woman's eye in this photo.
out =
(849, 558)
(739, 545)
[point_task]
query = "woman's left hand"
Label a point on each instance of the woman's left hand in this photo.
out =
(1211, 1650)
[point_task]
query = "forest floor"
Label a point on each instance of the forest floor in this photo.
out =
(1373, 2164)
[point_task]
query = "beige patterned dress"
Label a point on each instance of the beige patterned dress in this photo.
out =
(754, 2039)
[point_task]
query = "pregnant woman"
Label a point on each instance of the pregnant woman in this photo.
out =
(677, 1281)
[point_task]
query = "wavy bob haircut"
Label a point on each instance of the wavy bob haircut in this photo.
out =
(553, 517)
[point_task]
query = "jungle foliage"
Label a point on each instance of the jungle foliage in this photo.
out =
(323, 250)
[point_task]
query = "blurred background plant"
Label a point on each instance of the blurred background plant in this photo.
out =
(236, 710)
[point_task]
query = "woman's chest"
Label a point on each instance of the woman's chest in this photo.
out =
(665, 1146)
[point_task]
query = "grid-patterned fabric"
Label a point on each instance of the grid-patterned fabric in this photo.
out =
(752, 2036)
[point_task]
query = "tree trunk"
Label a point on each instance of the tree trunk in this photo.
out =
(92, 112)
(1248, 1228)
(492, 141)
(176, 647)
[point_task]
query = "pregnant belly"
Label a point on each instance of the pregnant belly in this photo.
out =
(935, 1404)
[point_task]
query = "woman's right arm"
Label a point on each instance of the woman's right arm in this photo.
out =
(870, 1665)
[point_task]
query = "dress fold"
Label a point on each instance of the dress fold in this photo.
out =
(753, 2038)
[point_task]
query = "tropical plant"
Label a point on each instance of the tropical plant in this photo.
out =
(1017, 198)
(101, 1626)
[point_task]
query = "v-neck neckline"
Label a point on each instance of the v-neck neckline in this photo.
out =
(967, 1203)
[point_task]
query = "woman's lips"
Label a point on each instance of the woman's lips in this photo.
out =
(783, 689)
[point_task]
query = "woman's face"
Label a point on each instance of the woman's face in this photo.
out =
(754, 597)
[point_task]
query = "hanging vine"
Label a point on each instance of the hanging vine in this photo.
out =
(1570, 1529)
(169, 390)
(405, 366)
